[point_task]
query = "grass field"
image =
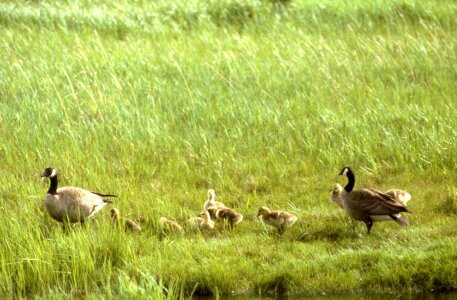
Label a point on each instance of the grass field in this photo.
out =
(264, 101)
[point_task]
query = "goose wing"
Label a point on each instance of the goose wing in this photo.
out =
(377, 203)
(79, 196)
(104, 196)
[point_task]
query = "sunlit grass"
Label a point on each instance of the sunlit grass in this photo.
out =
(265, 103)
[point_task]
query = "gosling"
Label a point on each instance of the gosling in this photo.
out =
(128, 224)
(211, 202)
(202, 222)
(279, 219)
(230, 216)
(170, 225)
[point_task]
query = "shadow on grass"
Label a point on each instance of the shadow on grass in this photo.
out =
(276, 286)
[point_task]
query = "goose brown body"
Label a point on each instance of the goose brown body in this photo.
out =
(369, 205)
(399, 195)
(279, 219)
(71, 204)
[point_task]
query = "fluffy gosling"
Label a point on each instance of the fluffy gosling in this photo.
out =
(128, 224)
(211, 201)
(202, 222)
(230, 216)
(279, 219)
(400, 195)
(170, 225)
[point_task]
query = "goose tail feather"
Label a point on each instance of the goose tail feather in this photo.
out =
(402, 221)
(103, 195)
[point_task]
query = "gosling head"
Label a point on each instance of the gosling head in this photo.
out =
(205, 215)
(49, 172)
(336, 189)
(263, 211)
(345, 171)
(211, 194)
(114, 213)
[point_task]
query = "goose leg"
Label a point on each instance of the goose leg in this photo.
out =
(369, 223)
(66, 227)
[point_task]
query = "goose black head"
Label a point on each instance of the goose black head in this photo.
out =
(49, 172)
(345, 171)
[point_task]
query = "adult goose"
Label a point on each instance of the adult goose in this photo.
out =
(71, 204)
(370, 205)
(399, 195)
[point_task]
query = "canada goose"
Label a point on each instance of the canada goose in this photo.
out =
(369, 205)
(399, 195)
(229, 215)
(129, 224)
(279, 219)
(170, 225)
(202, 222)
(71, 204)
(211, 202)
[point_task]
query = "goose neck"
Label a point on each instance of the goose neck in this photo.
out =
(53, 186)
(350, 185)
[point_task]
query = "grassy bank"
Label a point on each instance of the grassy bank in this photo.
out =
(263, 101)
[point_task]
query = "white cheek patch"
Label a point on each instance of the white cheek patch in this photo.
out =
(345, 171)
(54, 173)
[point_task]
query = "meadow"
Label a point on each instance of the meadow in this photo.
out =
(263, 100)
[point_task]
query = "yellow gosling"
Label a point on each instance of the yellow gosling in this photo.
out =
(202, 222)
(128, 224)
(211, 201)
(170, 225)
(279, 219)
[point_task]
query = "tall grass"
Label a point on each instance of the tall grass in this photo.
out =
(265, 101)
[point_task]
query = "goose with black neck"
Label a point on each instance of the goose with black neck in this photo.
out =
(71, 204)
(370, 205)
